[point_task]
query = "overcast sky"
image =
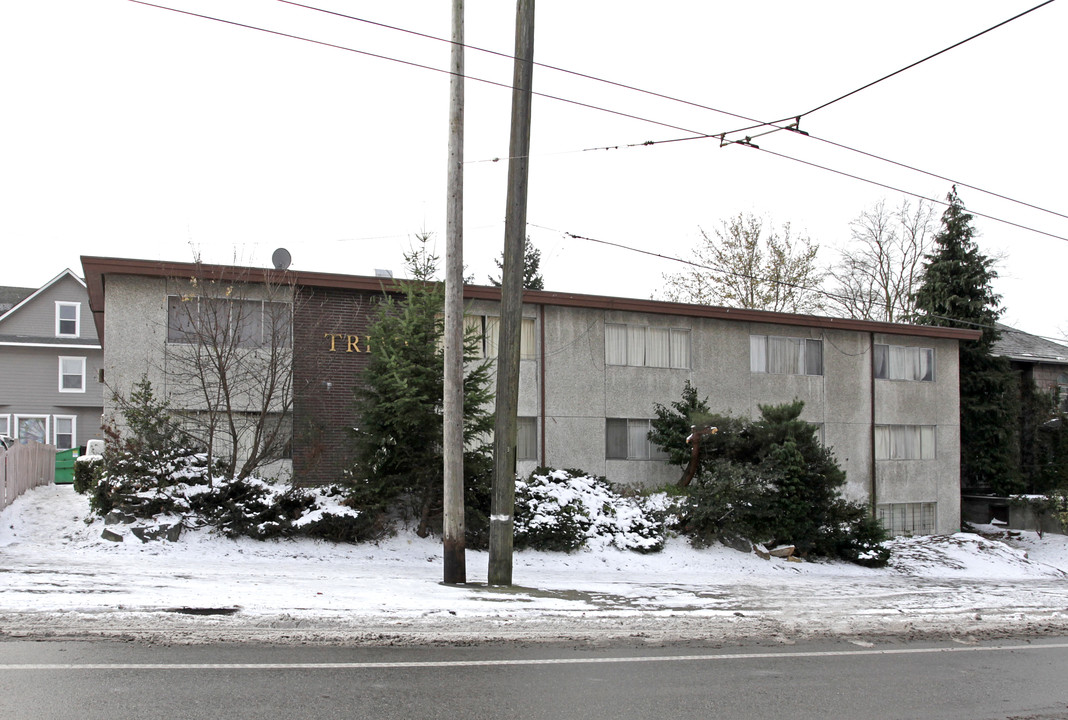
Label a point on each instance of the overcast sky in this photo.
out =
(131, 131)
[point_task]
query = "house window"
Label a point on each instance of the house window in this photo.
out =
(905, 442)
(897, 362)
(907, 518)
(785, 355)
(64, 431)
(246, 323)
(526, 439)
(68, 319)
(643, 346)
(5, 425)
(72, 374)
(31, 427)
(628, 439)
(490, 328)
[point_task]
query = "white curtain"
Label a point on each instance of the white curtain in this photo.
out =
(927, 442)
(527, 344)
(635, 345)
(638, 439)
(473, 324)
(925, 364)
(758, 353)
(680, 349)
(882, 442)
(786, 355)
(493, 334)
(615, 344)
(658, 347)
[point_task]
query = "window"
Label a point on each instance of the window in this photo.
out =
(626, 439)
(904, 442)
(642, 346)
(64, 433)
(252, 323)
(527, 439)
(490, 328)
(72, 374)
(68, 319)
(5, 425)
(31, 427)
(896, 362)
(908, 518)
(785, 355)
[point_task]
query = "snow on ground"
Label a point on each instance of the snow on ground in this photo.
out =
(58, 578)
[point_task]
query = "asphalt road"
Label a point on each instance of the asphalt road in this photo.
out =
(1016, 678)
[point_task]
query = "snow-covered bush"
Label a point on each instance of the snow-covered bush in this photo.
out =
(566, 510)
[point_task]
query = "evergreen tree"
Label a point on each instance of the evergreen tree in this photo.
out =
(957, 291)
(532, 279)
(399, 403)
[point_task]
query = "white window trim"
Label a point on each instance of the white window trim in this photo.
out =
(6, 430)
(73, 430)
(19, 418)
(71, 390)
(77, 318)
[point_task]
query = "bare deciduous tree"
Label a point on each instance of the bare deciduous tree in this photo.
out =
(742, 266)
(230, 369)
(878, 274)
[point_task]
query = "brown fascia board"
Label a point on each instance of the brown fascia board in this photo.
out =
(97, 268)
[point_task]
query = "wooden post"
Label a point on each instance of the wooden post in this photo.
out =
(515, 227)
(455, 571)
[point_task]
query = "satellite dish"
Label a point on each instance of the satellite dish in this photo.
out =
(281, 259)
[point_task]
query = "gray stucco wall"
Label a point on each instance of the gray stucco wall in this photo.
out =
(581, 392)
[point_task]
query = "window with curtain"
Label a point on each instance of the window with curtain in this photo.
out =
(526, 438)
(643, 346)
(905, 442)
(628, 439)
(492, 335)
(785, 355)
(897, 362)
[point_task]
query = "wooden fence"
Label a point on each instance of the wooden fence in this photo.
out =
(23, 467)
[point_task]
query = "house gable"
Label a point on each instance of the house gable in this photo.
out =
(35, 319)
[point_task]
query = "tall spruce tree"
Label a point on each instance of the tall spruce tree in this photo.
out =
(399, 403)
(957, 291)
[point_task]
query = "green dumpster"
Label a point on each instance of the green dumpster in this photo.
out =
(65, 465)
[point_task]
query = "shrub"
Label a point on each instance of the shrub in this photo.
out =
(87, 469)
(563, 510)
(771, 481)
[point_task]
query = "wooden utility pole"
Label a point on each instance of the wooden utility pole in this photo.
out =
(515, 228)
(453, 403)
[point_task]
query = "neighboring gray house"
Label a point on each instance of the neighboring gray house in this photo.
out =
(50, 361)
(1036, 359)
(885, 396)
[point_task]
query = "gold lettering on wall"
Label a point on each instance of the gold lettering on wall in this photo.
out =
(352, 342)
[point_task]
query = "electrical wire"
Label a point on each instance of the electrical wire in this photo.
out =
(817, 290)
(410, 63)
(695, 135)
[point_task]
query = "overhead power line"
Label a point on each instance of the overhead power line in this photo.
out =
(410, 63)
(818, 290)
(694, 135)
